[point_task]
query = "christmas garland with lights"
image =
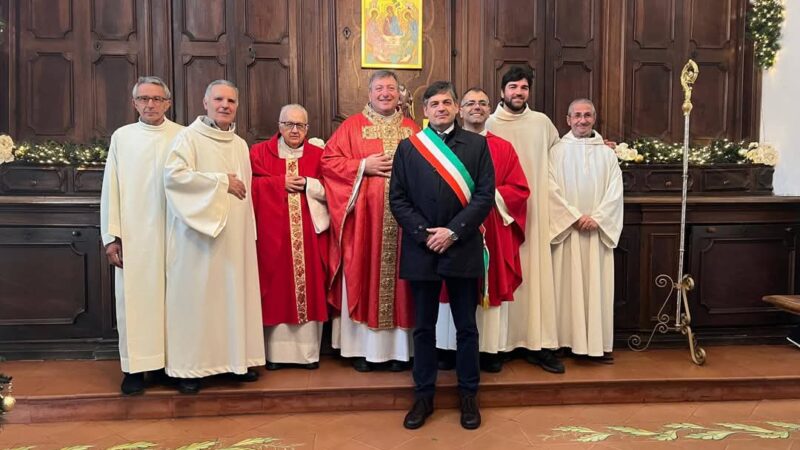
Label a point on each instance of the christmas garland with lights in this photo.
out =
(57, 153)
(720, 151)
(764, 25)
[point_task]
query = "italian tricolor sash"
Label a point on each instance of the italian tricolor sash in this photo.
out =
(455, 174)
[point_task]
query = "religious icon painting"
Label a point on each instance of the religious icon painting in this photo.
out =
(391, 34)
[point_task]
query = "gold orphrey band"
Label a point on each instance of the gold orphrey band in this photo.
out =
(298, 252)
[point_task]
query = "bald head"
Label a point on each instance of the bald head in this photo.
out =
(293, 124)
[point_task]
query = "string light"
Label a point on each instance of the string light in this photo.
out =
(56, 153)
(721, 151)
(764, 25)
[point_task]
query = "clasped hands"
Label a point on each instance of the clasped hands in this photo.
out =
(585, 223)
(438, 239)
(378, 165)
(295, 184)
(236, 187)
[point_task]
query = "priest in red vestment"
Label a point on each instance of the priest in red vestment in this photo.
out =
(375, 306)
(505, 232)
(292, 222)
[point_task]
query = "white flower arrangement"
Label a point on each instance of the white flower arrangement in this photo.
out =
(626, 153)
(762, 154)
(6, 149)
(317, 141)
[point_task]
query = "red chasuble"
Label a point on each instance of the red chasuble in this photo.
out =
(365, 238)
(291, 255)
(505, 271)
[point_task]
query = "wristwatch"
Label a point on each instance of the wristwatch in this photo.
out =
(453, 236)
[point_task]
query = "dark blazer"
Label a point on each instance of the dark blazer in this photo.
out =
(420, 199)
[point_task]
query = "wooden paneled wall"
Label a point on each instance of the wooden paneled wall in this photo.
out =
(69, 64)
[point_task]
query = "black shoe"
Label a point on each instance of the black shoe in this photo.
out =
(491, 362)
(470, 415)
(132, 384)
(274, 366)
(189, 385)
(160, 377)
(397, 366)
(423, 407)
(447, 359)
(248, 377)
(361, 365)
(546, 359)
(311, 366)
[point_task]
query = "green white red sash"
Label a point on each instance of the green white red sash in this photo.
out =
(456, 175)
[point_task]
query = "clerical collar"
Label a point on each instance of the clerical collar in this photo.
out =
(483, 132)
(286, 152)
(446, 132)
(210, 122)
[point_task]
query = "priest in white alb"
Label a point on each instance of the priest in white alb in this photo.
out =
(213, 298)
(586, 210)
(532, 315)
(132, 212)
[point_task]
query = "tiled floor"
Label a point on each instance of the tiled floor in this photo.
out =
(734, 425)
(754, 425)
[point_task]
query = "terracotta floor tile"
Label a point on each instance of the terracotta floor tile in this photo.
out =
(428, 443)
(777, 409)
(385, 439)
(741, 410)
(492, 442)
(506, 429)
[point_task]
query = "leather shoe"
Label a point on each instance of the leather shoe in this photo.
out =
(189, 385)
(273, 366)
(132, 384)
(397, 366)
(470, 415)
(361, 365)
(546, 359)
(422, 408)
(311, 366)
(491, 362)
(248, 377)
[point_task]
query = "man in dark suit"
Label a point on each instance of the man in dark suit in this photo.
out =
(442, 189)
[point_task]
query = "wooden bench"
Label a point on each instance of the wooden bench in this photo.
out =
(788, 303)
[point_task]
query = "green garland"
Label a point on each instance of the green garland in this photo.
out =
(764, 28)
(57, 153)
(721, 151)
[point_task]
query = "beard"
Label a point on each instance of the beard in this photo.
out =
(516, 109)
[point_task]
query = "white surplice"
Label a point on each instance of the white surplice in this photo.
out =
(213, 299)
(133, 209)
(530, 321)
(585, 179)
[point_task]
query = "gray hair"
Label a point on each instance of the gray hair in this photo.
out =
(291, 106)
(381, 74)
(151, 80)
(221, 83)
(581, 101)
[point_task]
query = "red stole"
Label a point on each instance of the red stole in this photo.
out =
(505, 271)
(362, 240)
(282, 269)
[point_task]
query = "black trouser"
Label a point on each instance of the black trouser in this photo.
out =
(463, 297)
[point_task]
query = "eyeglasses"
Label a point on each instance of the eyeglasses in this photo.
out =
(143, 99)
(471, 103)
(290, 125)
